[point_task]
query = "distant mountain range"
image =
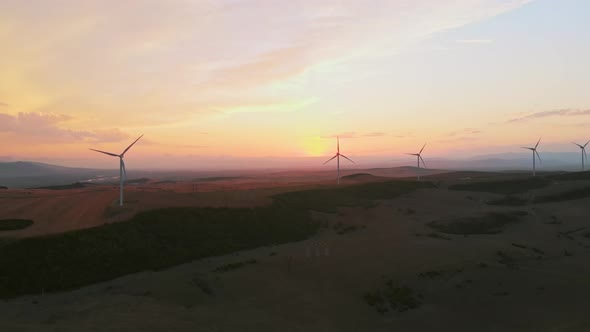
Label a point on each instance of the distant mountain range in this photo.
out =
(24, 174)
(29, 168)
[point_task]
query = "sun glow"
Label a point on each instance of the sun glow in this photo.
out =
(314, 146)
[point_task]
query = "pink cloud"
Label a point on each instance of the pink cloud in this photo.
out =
(47, 127)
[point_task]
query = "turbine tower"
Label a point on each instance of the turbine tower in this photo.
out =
(122, 171)
(534, 150)
(338, 155)
(419, 157)
(584, 155)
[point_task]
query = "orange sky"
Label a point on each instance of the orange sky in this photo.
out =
(264, 78)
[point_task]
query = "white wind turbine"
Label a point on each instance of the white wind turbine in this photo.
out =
(584, 155)
(419, 157)
(534, 153)
(122, 171)
(338, 155)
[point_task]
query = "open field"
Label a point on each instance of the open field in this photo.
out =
(371, 255)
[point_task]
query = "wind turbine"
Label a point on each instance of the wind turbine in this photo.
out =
(419, 157)
(584, 155)
(338, 155)
(534, 153)
(122, 171)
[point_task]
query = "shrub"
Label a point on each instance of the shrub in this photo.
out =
(14, 224)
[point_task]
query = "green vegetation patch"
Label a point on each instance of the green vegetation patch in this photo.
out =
(574, 176)
(162, 238)
(432, 274)
(356, 176)
(395, 298)
(565, 195)
(342, 228)
(138, 181)
(14, 224)
(217, 178)
(509, 201)
(490, 223)
(328, 200)
(151, 240)
(234, 266)
(166, 182)
(76, 185)
(506, 187)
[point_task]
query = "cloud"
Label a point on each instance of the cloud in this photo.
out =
(46, 127)
(458, 139)
(189, 146)
(463, 135)
(286, 106)
(349, 134)
(352, 134)
(545, 114)
(466, 131)
(374, 134)
(474, 41)
(105, 136)
(189, 57)
(151, 142)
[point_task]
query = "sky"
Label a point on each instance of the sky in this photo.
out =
(230, 81)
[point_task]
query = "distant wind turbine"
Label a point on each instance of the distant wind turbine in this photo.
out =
(122, 171)
(338, 155)
(584, 155)
(419, 157)
(534, 153)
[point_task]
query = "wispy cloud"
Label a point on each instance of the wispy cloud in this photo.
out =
(545, 114)
(45, 127)
(466, 131)
(352, 134)
(374, 134)
(151, 142)
(464, 135)
(349, 134)
(287, 106)
(459, 139)
(200, 50)
(474, 41)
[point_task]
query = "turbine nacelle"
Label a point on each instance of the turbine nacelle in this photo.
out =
(419, 156)
(338, 155)
(584, 154)
(535, 154)
(122, 169)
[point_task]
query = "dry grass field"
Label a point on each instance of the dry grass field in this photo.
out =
(433, 259)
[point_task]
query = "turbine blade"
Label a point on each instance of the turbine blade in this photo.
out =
(523, 147)
(422, 148)
(110, 154)
(343, 156)
(424, 163)
(412, 154)
(129, 147)
(578, 145)
(338, 143)
(331, 159)
(538, 142)
(586, 143)
(124, 170)
(538, 156)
